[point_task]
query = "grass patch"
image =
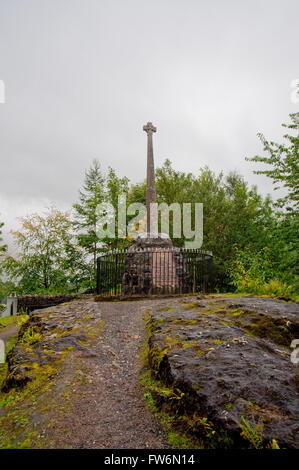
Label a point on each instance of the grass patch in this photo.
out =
(31, 336)
(48, 394)
(13, 320)
(6, 321)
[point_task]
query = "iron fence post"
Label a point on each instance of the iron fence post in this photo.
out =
(98, 287)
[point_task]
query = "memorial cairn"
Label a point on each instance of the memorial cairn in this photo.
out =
(152, 264)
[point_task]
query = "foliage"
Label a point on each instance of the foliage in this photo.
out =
(254, 241)
(5, 321)
(47, 256)
(3, 248)
(31, 336)
(97, 189)
(273, 444)
(85, 212)
(235, 217)
(7, 286)
(255, 273)
(22, 319)
(254, 436)
(284, 163)
(283, 239)
(115, 187)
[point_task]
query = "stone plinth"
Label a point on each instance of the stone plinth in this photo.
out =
(154, 266)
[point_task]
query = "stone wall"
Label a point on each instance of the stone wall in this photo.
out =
(154, 271)
(35, 302)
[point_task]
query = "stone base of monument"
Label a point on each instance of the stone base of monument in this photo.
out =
(154, 266)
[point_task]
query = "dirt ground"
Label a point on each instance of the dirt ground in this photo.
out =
(7, 332)
(94, 399)
(112, 413)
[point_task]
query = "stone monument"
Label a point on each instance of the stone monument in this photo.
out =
(153, 265)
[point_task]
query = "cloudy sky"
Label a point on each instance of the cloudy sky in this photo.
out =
(83, 76)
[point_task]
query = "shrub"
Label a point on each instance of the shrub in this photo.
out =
(31, 336)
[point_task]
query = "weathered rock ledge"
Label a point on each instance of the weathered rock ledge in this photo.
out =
(46, 338)
(230, 357)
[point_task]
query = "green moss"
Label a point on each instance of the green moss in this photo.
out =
(190, 306)
(40, 396)
(7, 321)
(234, 312)
(178, 411)
(184, 425)
(199, 351)
(10, 343)
(17, 410)
(156, 356)
(220, 310)
(185, 322)
(273, 329)
(228, 406)
(172, 341)
(218, 341)
(178, 441)
(31, 336)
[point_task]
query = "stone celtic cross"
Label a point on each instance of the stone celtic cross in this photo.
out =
(150, 176)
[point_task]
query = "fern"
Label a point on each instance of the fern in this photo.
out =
(252, 435)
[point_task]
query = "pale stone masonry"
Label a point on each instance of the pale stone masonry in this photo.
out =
(151, 195)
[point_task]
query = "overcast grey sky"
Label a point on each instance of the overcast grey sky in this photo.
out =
(83, 76)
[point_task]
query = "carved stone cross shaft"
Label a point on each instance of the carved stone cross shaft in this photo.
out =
(150, 177)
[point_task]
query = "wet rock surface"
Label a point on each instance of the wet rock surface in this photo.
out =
(77, 386)
(73, 377)
(47, 336)
(232, 358)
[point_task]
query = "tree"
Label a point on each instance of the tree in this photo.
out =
(283, 240)
(4, 287)
(43, 243)
(116, 187)
(284, 160)
(3, 248)
(85, 215)
(235, 217)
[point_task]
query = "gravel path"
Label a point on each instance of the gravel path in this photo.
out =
(8, 331)
(112, 413)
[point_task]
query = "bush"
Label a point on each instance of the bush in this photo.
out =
(252, 273)
(31, 336)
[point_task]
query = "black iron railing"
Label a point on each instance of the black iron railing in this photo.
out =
(154, 271)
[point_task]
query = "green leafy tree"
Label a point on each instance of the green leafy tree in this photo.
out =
(115, 187)
(235, 217)
(3, 247)
(43, 243)
(283, 160)
(85, 213)
(5, 287)
(269, 264)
